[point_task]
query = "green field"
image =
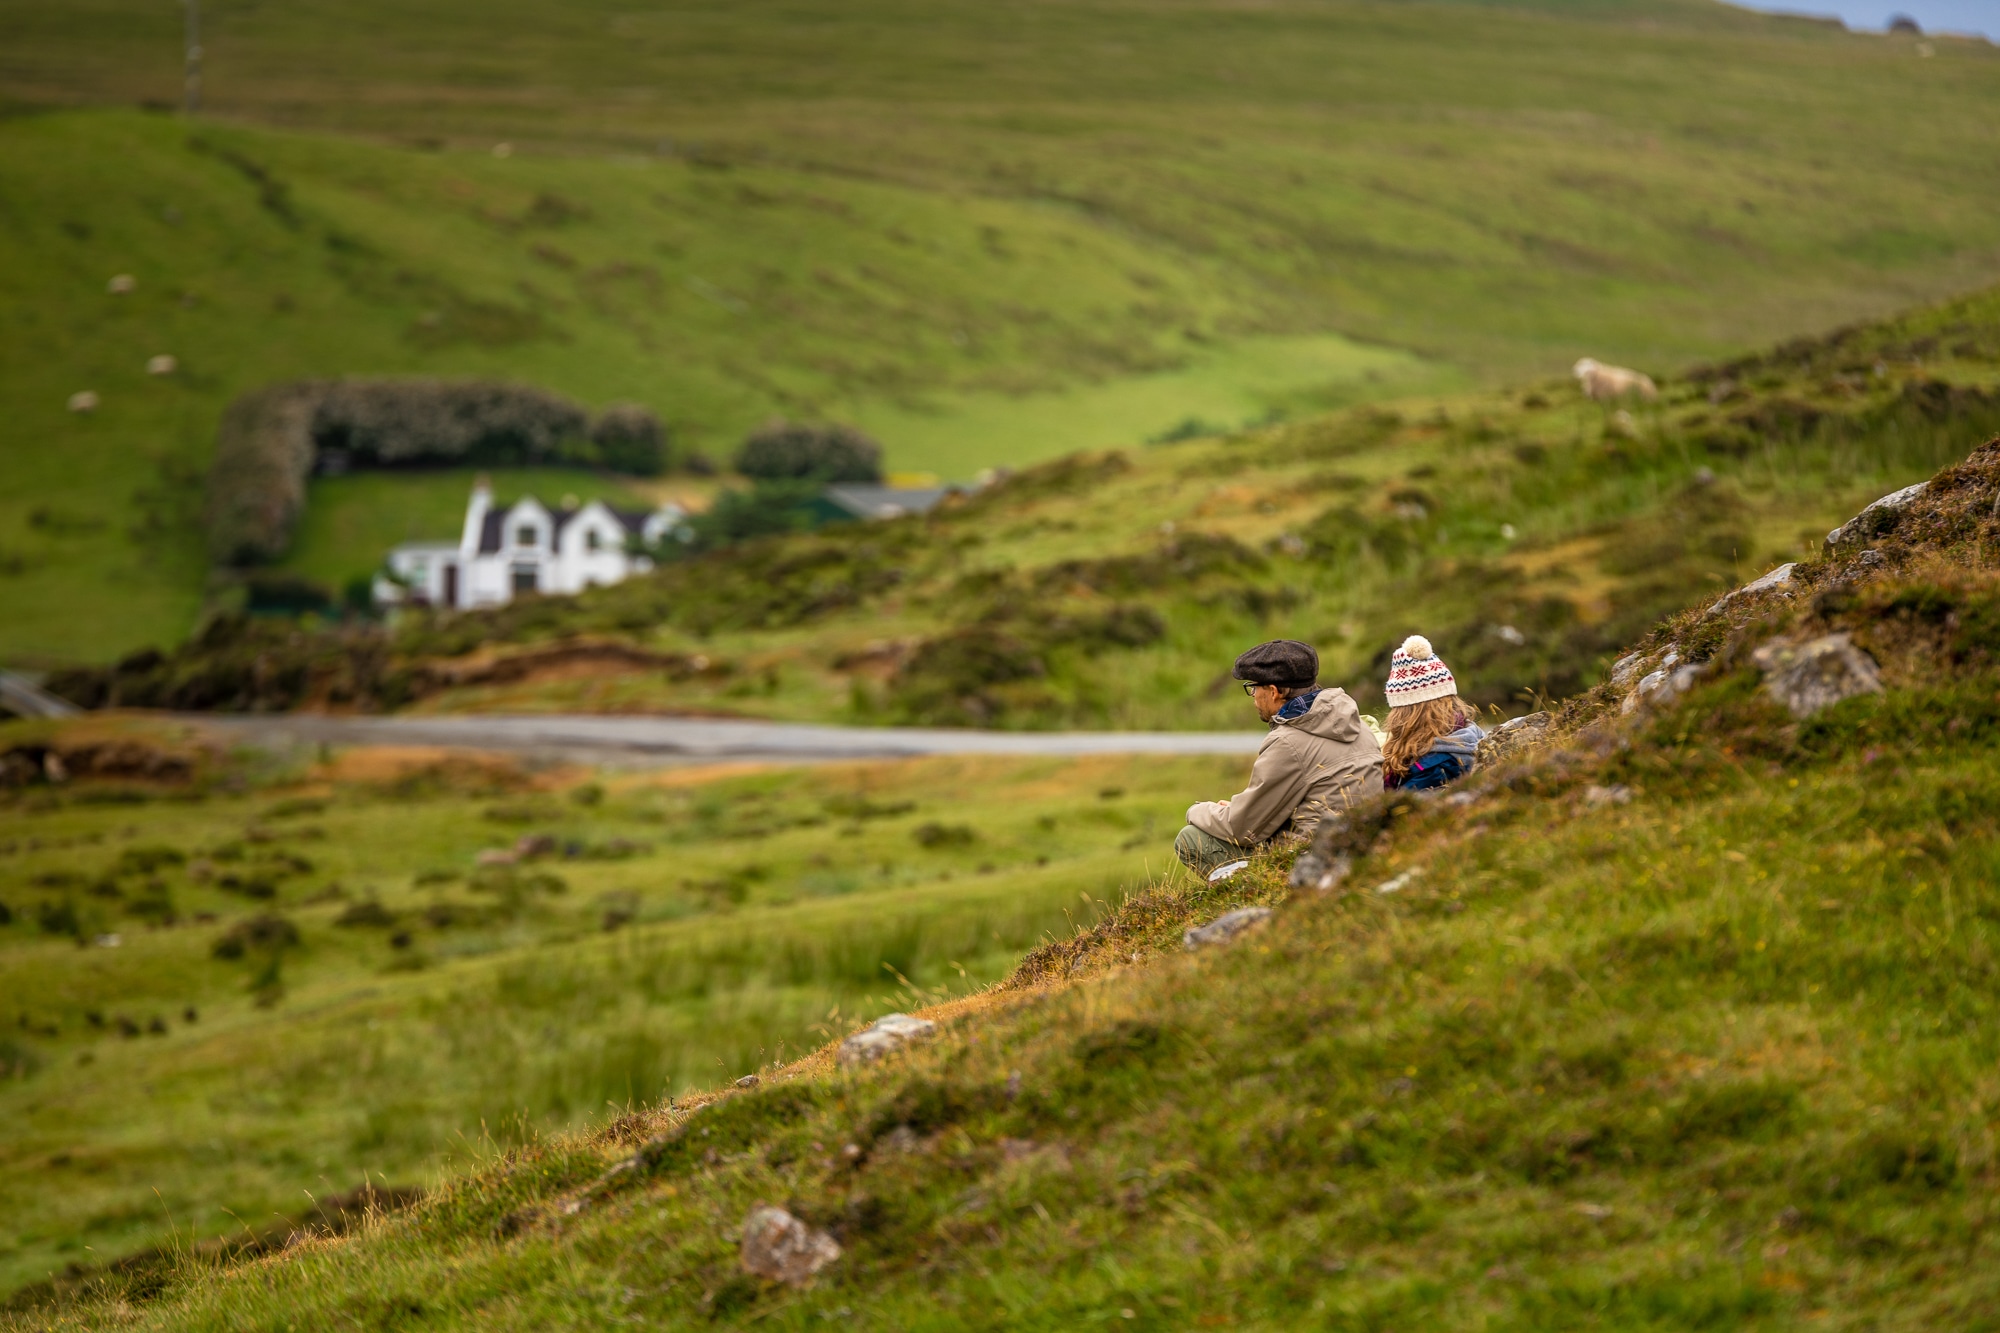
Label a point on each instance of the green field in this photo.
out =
(988, 234)
(432, 1013)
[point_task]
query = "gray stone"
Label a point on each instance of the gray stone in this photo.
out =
(1777, 580)
(1514, 734)
(884, 1035)
(1226, 927)
(747, 1082)
(901, 1139)
(1622, 669)
(778, 1246)
(1313, 871)
(1615, 794)
(1876, 519)
(1666, 683)
(1806, 677)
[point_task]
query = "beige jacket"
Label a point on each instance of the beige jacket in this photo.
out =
(1306, 766)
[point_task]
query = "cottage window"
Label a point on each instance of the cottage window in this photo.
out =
(526, 578)
(592, 542)
(526, 535)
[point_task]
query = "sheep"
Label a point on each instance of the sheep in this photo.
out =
(162, 364)
(122, 284)
(1605, 384)
(83, 401)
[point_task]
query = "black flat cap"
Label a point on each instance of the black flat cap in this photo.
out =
(1285, 662)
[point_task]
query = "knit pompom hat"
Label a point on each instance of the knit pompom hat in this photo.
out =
(1417, 673)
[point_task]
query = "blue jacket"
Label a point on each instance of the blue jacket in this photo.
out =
(1450, 758)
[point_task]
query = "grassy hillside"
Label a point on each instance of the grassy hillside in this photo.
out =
(992, 234)
(687, 926)
(1532, 535)
(1682, 1020)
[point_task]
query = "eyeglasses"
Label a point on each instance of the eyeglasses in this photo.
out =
(1251, 687)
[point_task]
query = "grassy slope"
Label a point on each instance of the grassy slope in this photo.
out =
(1719, 1055)
(910, 214)
(762, 909)
(1526, 538)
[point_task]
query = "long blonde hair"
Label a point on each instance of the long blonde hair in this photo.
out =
(1414, 728)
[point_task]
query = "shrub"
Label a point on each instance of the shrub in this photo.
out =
(258, 932)
(792, 450)
(257, 484)
(400, 422)
(767, 509)
(629, 438)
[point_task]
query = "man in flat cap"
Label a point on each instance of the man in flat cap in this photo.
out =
(1319, 755)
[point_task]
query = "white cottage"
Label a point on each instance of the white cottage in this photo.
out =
(525, 547)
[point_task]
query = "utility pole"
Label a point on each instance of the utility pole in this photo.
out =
(191, 100)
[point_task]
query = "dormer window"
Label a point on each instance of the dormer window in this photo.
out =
(526, 535)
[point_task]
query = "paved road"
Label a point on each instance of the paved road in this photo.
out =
(651, 741)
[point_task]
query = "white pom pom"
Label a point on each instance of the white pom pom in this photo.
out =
(1417, 646)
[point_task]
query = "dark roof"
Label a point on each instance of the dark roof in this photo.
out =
(494, 528)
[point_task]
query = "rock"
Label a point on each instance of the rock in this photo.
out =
(778, 1246)
(1869, 559)
(1806, 677)
(1222, 872)
(1622, 669)
(901, 1139)
(1517, 733)
(1225, 927)
(1877, 519)
(162, 365)
(1398, 884)
(884, 1035)
(83, 401)
(1615, 794)
(1779, 578)
(1508, 634)
(1313, 871)
(748, 1081)
(1660, 686)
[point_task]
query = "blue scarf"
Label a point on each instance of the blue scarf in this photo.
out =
(1295, 708)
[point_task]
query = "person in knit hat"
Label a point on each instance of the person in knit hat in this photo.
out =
(1318, 755)
(1432, 737)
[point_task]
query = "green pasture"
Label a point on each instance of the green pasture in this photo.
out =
(1695, 1030)
(990, 234)
(433, 1013)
